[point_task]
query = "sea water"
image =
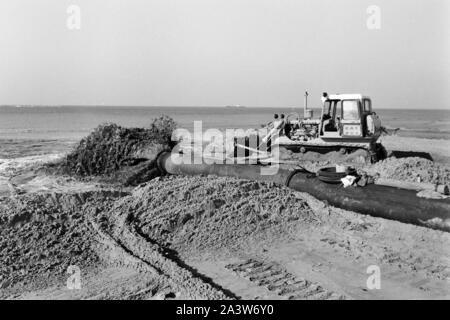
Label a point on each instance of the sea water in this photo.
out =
(30, 130)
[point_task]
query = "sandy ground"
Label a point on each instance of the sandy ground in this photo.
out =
(209, 238)
(439, 149)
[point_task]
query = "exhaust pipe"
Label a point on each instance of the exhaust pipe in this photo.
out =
(375, 200)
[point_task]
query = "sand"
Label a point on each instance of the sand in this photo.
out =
(438, 149)
(209, 238)
(175, 225)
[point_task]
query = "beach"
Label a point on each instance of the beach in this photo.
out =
(208, 237)
(251, 154)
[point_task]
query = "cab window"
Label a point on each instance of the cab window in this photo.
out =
(327, 107)
(367, 105)
(350, 110)
(338, 110)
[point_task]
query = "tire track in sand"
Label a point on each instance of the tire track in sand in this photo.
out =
(275, 279)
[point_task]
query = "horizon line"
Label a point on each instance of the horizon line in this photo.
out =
(190, 106)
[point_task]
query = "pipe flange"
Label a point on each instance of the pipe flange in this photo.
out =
(289, 177)
(159, 159)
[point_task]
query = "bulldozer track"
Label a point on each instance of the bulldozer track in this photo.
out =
(276, 279)
(123, 246)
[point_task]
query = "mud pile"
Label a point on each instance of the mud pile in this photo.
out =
(111, 147)
(409, 169)
(199, 213)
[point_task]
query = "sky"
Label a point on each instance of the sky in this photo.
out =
(224, 52)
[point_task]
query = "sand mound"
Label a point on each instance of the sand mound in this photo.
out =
(408, 169)
(41, 235)
(197, 213)
(111, 147)
(402, 169)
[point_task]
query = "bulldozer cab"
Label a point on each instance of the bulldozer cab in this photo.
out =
(344, 116)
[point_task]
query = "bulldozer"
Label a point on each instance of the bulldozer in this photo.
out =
(347, 124)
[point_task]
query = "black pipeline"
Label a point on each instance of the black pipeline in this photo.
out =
(375, 200)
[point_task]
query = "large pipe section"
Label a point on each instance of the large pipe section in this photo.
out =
(375, 200)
